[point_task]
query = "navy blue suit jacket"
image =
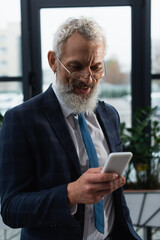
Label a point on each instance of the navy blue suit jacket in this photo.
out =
(37, 161)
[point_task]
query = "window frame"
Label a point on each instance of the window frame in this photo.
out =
(10, 78)
(141, 75)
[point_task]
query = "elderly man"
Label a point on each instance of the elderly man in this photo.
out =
(50, 185)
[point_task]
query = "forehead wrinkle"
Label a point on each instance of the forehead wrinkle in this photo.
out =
(78, 50)
(82, 61)
(74, 62)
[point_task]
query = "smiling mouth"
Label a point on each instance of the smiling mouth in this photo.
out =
(82, 88)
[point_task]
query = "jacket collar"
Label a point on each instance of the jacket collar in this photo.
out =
(105, 117)
(54, 115)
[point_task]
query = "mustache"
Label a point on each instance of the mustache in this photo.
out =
(83, 85)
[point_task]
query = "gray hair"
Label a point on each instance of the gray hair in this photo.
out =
(85, 26)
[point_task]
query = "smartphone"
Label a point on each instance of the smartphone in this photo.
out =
(117, 162)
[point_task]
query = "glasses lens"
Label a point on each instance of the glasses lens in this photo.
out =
(78, 76)
(98, 75)
(81, 76)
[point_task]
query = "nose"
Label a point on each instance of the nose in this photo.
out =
(87, 78)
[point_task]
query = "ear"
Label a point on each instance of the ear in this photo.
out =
(52, 61)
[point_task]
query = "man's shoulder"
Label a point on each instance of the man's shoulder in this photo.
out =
(103, 106)
(33, 103)
(27, 105)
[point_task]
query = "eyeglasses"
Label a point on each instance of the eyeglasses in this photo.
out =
(82, 76)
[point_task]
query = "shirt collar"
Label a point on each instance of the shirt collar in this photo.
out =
(66, 111)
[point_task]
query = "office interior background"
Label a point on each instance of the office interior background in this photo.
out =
(132, 60)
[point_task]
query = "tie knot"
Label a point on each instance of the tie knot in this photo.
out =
(81, 115)
(81, 118)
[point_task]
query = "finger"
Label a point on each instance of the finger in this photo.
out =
(105, 186)
(94, 170)
(111, 186)
(118, 183)
(102, 177)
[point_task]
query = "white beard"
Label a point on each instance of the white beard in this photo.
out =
(75, 102)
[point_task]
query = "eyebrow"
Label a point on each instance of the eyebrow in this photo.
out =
(97, 64)
(79, 63)
(74, 62)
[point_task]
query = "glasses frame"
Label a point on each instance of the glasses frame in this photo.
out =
(85, 74)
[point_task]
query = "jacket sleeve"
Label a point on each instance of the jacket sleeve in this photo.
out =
(23, 204)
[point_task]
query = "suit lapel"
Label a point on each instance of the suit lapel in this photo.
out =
(54, 115)
(105, 118)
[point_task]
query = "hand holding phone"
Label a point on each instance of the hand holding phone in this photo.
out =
(117, 162)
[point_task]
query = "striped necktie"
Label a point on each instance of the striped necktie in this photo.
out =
(93, 162)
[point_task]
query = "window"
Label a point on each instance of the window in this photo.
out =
(10, 55)
(3, 50)
(155, 36)
(10, 37)
(10, 95)
(155, 53)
